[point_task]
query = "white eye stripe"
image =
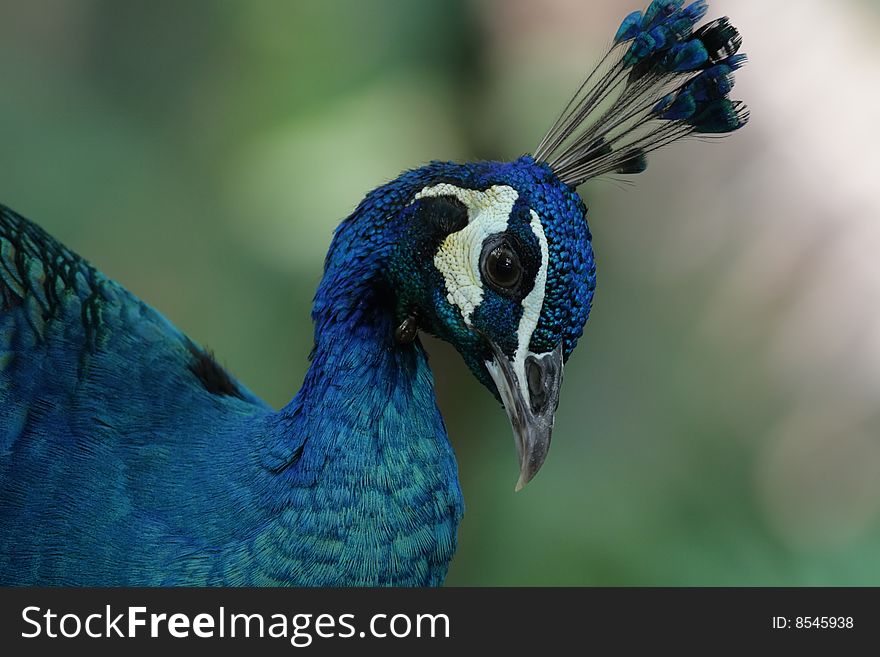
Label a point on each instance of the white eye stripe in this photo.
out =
(535, 299)
(532, 305)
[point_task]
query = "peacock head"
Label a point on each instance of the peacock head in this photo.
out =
(496, 258)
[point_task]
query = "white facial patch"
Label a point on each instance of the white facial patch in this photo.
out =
(458, 258)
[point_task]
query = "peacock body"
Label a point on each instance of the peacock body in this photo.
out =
(128, 456)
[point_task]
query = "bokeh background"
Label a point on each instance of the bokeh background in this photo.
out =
(720, 422)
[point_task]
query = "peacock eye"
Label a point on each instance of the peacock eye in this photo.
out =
(502, 267)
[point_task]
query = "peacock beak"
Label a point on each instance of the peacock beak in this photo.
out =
(529, 388)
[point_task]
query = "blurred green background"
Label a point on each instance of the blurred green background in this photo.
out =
(720, 422)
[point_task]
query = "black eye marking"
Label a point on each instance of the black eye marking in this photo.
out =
(501, 266)
(445, 213)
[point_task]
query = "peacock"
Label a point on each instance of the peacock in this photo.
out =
(128, 456)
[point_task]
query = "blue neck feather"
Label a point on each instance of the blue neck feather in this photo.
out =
(388, 504)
